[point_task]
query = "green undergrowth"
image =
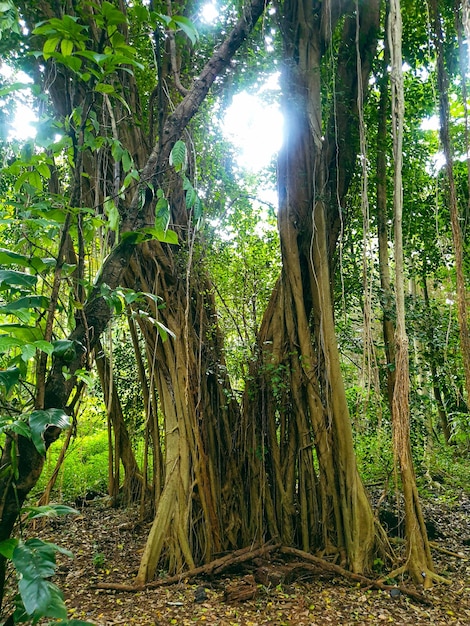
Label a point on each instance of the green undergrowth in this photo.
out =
(438, 466)
(85, 468)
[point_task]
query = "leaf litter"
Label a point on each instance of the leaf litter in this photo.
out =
(107, 546)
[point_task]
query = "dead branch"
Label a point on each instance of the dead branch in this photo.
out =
(209, 569)
(369, 582)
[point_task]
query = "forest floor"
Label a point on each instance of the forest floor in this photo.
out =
(107, 546)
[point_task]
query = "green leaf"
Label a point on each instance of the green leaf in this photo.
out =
(9, 378)
(112, 15)
(85, 376)
(41, 598)
(44, 170)
(40, 420)
(35, 594)
(8, 257)
(96, 57)
(49, 510)
(14, 87)
(12, 278)
(163, 331)
(112, 214)
(198, 208)
(17, 426)
(186, 26)
(162, 214)
(27, 302)
(23, 332)
(64, 349)
(166, 236)
(191, 197)
(7, 548)
(56, 607)
(66, 47)
(34, 558)
(178, 156)
(127, 162)
(7, 343)
(104, 88)
(28, 351)
(44, 346)
(49, 46)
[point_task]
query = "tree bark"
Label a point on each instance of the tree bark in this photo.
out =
(419, 560)
(297, 342)
(135, 215)
(387, 296)
(457, 236)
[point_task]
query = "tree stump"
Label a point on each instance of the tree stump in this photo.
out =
(241, 590)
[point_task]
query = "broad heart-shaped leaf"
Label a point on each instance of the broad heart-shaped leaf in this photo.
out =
(9, 378)
(12, 278)
(8, 257)
(7, 342)
(7, 547)
(18, 426)
(40, 420)
(34, 559)
(64, 349)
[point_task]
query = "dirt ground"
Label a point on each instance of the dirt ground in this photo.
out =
(107, 544)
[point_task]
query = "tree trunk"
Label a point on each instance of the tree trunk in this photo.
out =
(133, 481)
(457, 237)
(419, 560)
(137, 212)
(433, 360)
(296, 410)
(387, 297)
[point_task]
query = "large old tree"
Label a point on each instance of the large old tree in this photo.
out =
(120, 83)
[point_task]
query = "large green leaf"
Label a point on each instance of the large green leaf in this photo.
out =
(186, 26)
(12, 278)
(40, 420)
(27, 302)
(34, 558)
(22, 332)
(7, 343)
(9, 378)
(49, 510)
(7, 547)
(8, 257)
(19, 426)
(56, 607)
(42, 598)
(166, 236)
(178, 156)
(64, 349)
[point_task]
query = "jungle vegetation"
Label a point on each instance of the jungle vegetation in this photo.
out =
(247, 358)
